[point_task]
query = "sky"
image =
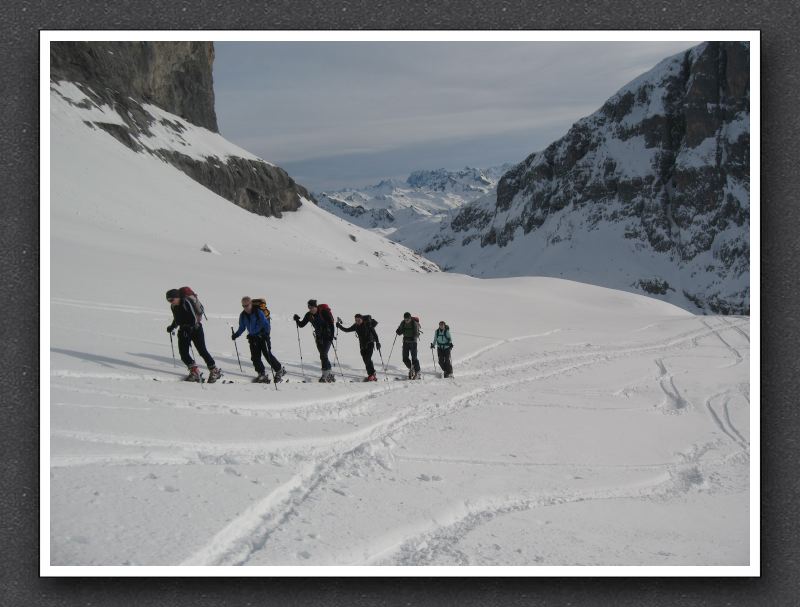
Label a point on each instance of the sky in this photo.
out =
(348, 114)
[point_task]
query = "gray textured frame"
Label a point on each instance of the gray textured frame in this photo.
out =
(19, 245)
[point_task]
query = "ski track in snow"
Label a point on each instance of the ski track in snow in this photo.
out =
(439, 537)
(736, 354)
(723, 420)
(736, 327)
(236, 543)
(674, 402)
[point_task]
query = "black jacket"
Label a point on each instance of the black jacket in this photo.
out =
(365, 332)
(322, 322)
(183, 315)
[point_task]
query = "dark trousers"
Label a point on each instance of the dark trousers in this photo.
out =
(366, 356)
(324, 346)
(410, 347)
(261, 344)
(193, 335)
(444, 360)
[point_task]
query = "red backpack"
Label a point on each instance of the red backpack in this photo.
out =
(189, 295)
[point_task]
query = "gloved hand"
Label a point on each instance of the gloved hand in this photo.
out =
(431, 346)
(378, 346)
(338, 320)
(170, 328)
(233, 337)
(296, 318)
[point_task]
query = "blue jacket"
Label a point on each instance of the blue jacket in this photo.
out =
(255, 323)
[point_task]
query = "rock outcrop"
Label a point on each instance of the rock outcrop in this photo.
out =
(162, 98)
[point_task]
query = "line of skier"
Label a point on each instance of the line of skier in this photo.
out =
(188, 312)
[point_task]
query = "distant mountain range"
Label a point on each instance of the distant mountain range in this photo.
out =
(405, 210)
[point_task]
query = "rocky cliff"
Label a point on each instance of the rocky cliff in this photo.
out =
(650, 193)
(161, 96)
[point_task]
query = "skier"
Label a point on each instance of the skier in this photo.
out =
(258, 335)
(409, 329)
(364, 326)
(321, 318)
(443, 344)
(190, 331)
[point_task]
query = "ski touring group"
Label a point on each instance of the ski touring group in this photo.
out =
(188, 313)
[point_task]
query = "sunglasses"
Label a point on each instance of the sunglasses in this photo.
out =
(247, 305)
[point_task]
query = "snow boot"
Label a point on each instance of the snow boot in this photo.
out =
(194, 374)
(214, 374)
(371, 378)
(331, 377)
(261, 378)
(279, 374)
(411, 374)
(417, 375)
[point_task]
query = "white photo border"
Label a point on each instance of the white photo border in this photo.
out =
(751, 36)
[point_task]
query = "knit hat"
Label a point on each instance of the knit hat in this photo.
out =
(312, 303)
(173, 294)
(358, 316)
(407, 315)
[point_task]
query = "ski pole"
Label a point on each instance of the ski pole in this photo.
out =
(336, 354)
(302, 368)
(269, 351)
(172, 345)
(388, 360)
(237, 352)
(385, 378)
(434, 361)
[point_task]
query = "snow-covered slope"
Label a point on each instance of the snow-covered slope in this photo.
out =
(584, 426)
(649, 194)
(410, 211)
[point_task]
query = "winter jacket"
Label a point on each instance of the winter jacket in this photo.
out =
(183, 315)
(255, 323)
(322, 322)
(365, 332)
(442, 338)
(410, 331)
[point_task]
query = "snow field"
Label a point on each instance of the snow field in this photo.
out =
(584, 425)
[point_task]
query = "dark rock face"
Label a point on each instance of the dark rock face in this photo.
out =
(175, 77)
(667, 158)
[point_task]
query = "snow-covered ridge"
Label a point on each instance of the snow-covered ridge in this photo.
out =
(166, 132)
(171, 209)
(649, 194)
(204, 155)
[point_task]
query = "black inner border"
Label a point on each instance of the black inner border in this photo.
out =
(20, 583)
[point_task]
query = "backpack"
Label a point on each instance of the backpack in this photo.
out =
(189, 295)
(261, 303)
(326, 308)
(419, 324)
